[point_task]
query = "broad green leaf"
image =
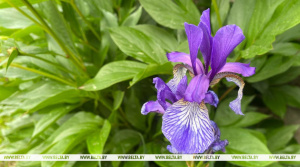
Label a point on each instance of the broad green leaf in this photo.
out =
(278, 138)
(170, 14)
(54, 113)
(275, 100)
(286, 49)
(289, 35)
(152, 69)
(118, 98)
(138, 45)
(80, 124)
(14, 20)
(257, 23)
(279, 23)
(133, 18)
(223, 8)
(113, 73)
(18, 3)
(17, 123)
(53, 93)
(6, 92)
(282, 63)
(250, 118)
(225, 116)
(291, 94)
(132, 111)
(96, 141)
(242, 141)
(163, 38)
(285, 77)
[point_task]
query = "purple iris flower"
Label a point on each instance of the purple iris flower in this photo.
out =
(186, 122)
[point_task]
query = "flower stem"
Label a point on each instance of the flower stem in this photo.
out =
(215, 5)
(44, 74)
(227, 92)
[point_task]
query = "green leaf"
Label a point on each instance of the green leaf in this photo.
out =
(163, 38)
(225, 116)
(53, 93)
(282, 63)
(79, 125)
(96, 141)
(133, 18)
(242, 141)
(138, 45)
(118, 98)
(275, 100)
(170, 14)
(291, 94)
(288, 76)
(152, 69)
(279, 23)
(286, 49)
(289, 35)
(112, 73)
(250, 118)
(54, 113)
(18, 3)
(15, 20)
(278, 138)
(132, 111)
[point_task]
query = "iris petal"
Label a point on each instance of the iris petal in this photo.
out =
(207, 40)
(218, 144)
(225, 40)
(211, 98)
(197, 88)
(239, 68)
(235, 105)
(153, 106)
(194, 36)
(179, 72)
(163, 92)
(185, 58)
(187, 126)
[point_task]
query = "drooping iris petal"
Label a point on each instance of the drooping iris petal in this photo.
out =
(211, 98)
(153, 106)
(225, 40)
(163, 92)
(185, 58)
(235, 105)
(239, 68)
(197, 88)
(187, 126)
(172, 149)
(218, 144)
(194, 36)
(207, 40)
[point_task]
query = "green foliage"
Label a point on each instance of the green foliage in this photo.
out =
(75, 74)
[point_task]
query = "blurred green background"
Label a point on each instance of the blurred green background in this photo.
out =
(74, 75)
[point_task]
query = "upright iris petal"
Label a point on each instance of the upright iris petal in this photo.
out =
(206, 44)
(225, 40)
(194, 35)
